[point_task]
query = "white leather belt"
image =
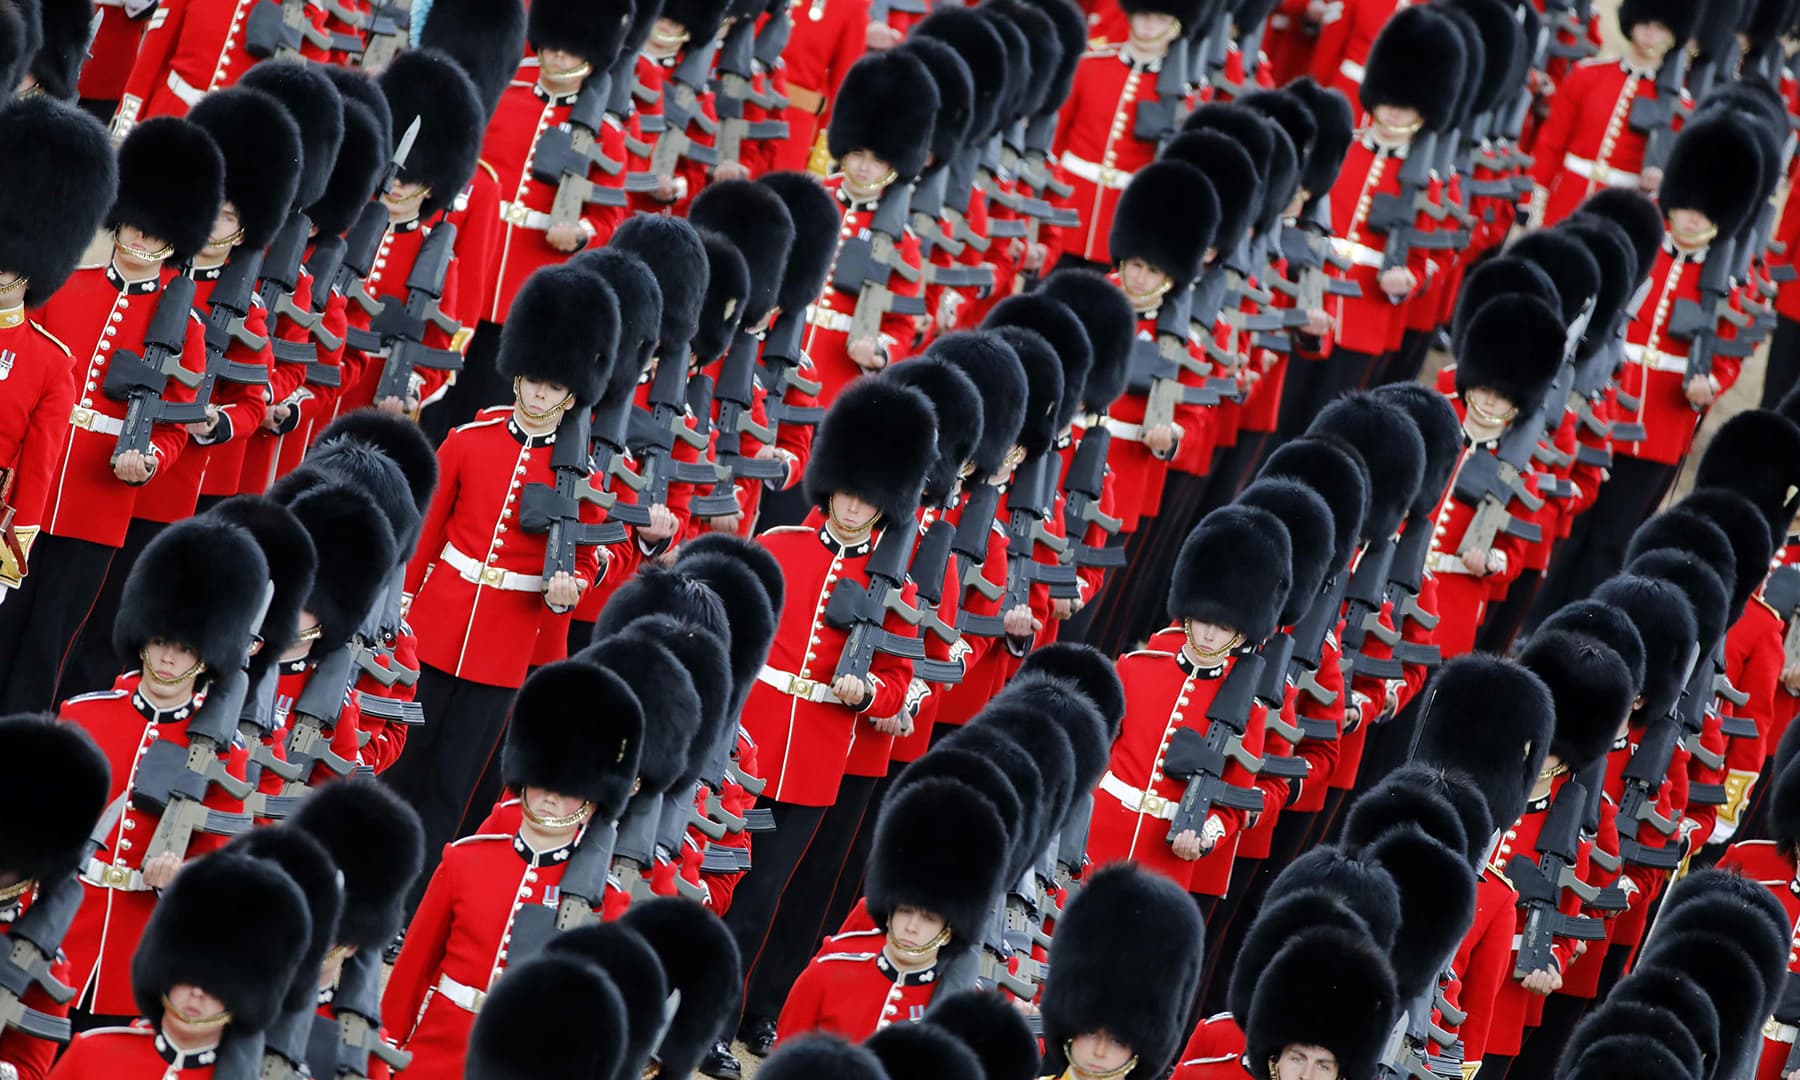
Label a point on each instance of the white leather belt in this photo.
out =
(1658, 360)
(1359, 254)
(108, 876)
(1122, 430)
(1776, 1031)
(1094, 173)
(1351, 70)
(91, 420)
(181, 88)
(1447, 562)
(491, 576)
(1600, 174)
(520, 216)
(1148, 803)
(464, 997)
(814, 690)
(827, 319)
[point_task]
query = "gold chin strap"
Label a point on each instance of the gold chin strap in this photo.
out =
(14, 891)
(1143, 301)
(144, 256)
(567, 820)
(13, 286)
(225, 242)
(218, 1019)
(190, 673)
(938, 942)
(1553, 772)
(1083, 1074)
(567, 400)
(1395, 132)
(579, 71)
(1489, 418)
(312, 633)
(1187, 628)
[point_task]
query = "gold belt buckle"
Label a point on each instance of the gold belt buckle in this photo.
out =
(1602, 174)
(1772, 1029)
(517, 213)
(1152, 804)
(493, 576)
(82, 418)
(116, 877)
(801, 688)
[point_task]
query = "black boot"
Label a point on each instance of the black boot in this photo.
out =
(719, 1064)
(758, 1036)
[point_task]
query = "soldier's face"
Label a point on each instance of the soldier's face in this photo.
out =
(555, 62)
(1691, 228)
(914, 928)
(540, 399)
(1652, 38)
(1305, 1063)
(189, 1005)
(168, 660)
(1493, 407)
(1153, 27)
(1098, 1052)
(140, 245)
(668, 32)
(1210, 638)
(1142, 279)
(226, 230)
(865, 170)
(1398, 119)
(851, 512)
(550, 804)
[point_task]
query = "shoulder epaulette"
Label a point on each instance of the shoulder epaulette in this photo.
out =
(479, 836)
(1770, 608)
(1754, 843)
(848, 934)
(1211, 1060)
(1226, 1015)
(1147, 652)
(117, 1031)
(481, 423)
(786, 529)
(860, 957)
(489, 169)
(98, 695)
(54, 340)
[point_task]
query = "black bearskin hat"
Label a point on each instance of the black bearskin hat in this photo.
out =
(1713, 898)
(1333, 469)
(1307, 518)
(992, 1028)
(1437, 903)
(318, 110)
(67, 26)
(1441, 431)
(1474, 63)
(1111, 327)
(631, 964)
(1050, 749)
(1634, 1055)
(1250, 129)
(816, 217)
(1124, 922)
(975, 771)
(1416, 62)
(1070, 23)
(1023, 777)
(664, 690)
(640, 325)
(576, 730)
(1043, 53)
(1500, 275)
(200, 584)
(1432, 798)
(1291, 114)
(1679, 16)
(1335, 127)
(1665, 623)
(366, 467)
(293, 563)
(433, 87)
(351, 537)
(1330, 988)
(886, 105)
(171, 184)
(809, 1057)
(1698, 536)
(1514, 347)
(940, 847)
(700, 958)
(981, 47)
(362, 161)
(957, 406)
(1144, 228)
(1725, 967)
(1637, 214)
(1502, 41)
(1606, 624)
(201, 933)
(375, 839)
(956, 95)
(1756, 454)
(1611, 248)
(1568, 263)
(257, 138)
(1715, 166)
(554, 1015)
(1663, 989)
(594, 30)
(700, 18)
(1292, 912)
(1234, 570)
(755, 218)
(877, 442)
(486, 37)
(1234, 176)
(397, 439)
(1391, 447)
(1017, 66)
(702, 654)
(1088, 670)
(1700, 583)
(727, 293)
(21, 35)
(923, 1052)
(1744, 525)
(1363, 887)
(1591, 687)
(1057, 324)
(59, 184)
(308, 865)
(995, 369)
(673, 251)
(1049, 719)
(660, 591)
(1492, 719)
(752, 615)
(65, 777)
(1044, 379)
(563, 329)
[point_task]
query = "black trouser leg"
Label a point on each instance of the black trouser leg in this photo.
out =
(1404, 363)
(41, 618)
(1298, 391)
(774, 856)
(850, 879)
(799, 922)
(478, 385)
(91, 664)
(1501, 623)
(1495, 1066)
(1544, 1044)
(1783, 370)
(445, 756)
(1330, 817)
(1289, 839)
(1225, 932)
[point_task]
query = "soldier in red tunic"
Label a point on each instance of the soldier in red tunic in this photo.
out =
(1101, 1018)
(217, 957)
(477, 579)
(1323, 1007)
(572, 752)
(172, 180)
(828, 37)
(61, 155)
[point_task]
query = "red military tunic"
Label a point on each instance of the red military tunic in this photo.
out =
(37, 394)
(95, 313)
(827, 336)
(114, 48)
(116, 903)
(138, 1052)
(1588, 143)
(477, 578)
(29, 1056)
(851, 990)
(803, 742)
(828, 36)
(1370, 323)
(268, 452)
(1655, 371)
(987, 662)
(1096, 142)
(1766, 863)
(1344, 42)
(1215, 1051)
(456, 945)
(191, 47)
(394, 259)
(1138, 473)
(1754, 656)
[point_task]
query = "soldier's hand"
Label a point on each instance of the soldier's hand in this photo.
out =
(134, 467)
(277, 416)
(728, 524)
(1476, 561)
(566, 237)
(880, 36)
(1035, 254)
(1543, 983)
(1790, 679)
(893, 725)
(1318, 322)
(850, 690)
(159, 870)
(1019, 622)
(731, 170)
(666, 191)
(1700, 392)
(205, 427)
(563, 590)
(1186, 845)
(866, 353)
(1061, 609)
(1160, 439)
(1397, 281)
(662, 524)
(395, 406)
(1650, 181)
